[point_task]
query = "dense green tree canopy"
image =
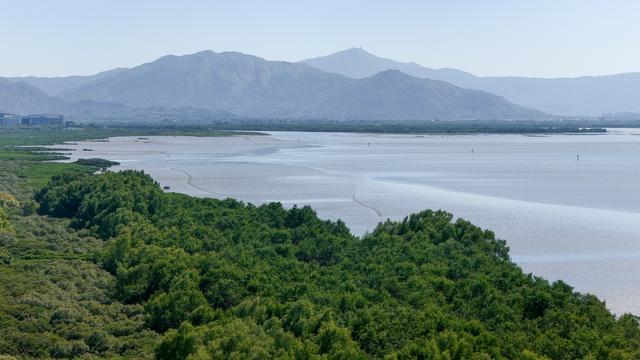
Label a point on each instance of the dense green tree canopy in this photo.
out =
(224, 279)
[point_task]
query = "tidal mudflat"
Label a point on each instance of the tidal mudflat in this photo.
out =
(567, 205)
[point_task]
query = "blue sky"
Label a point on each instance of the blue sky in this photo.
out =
(534, 38)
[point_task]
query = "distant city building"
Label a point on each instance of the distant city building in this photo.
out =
(42, 120)
(8, 120)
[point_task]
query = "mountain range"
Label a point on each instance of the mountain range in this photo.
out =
(586, 95)
(54, 86)
(21, 97)
(232, 84)
(350, 84)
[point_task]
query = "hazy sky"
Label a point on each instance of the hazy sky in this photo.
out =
(511, 37)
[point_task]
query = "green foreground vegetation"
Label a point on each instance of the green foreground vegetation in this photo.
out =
(110, 266)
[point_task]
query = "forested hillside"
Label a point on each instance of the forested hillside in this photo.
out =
(223, 279)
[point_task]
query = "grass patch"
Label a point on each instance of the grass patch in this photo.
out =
(36, 174)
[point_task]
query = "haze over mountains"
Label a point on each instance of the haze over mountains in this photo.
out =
(392, 94)
(22, 98)
(233, 84)
(56, 85)
(350, 84)
(587, 95)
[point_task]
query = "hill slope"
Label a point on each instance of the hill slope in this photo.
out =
(357, 63)
(233, 82)
(54, 86)
(588, 95)
(23, 98)
(253, 87)
(392, 95)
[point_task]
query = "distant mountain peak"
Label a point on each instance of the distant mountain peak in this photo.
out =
(54, 86)
(392, 73)
(358, 63)
(354, 51)
(250, 86)
(204, 52)
(20, 97)
(585, 95)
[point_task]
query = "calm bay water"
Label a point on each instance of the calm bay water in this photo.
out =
(563, 218)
